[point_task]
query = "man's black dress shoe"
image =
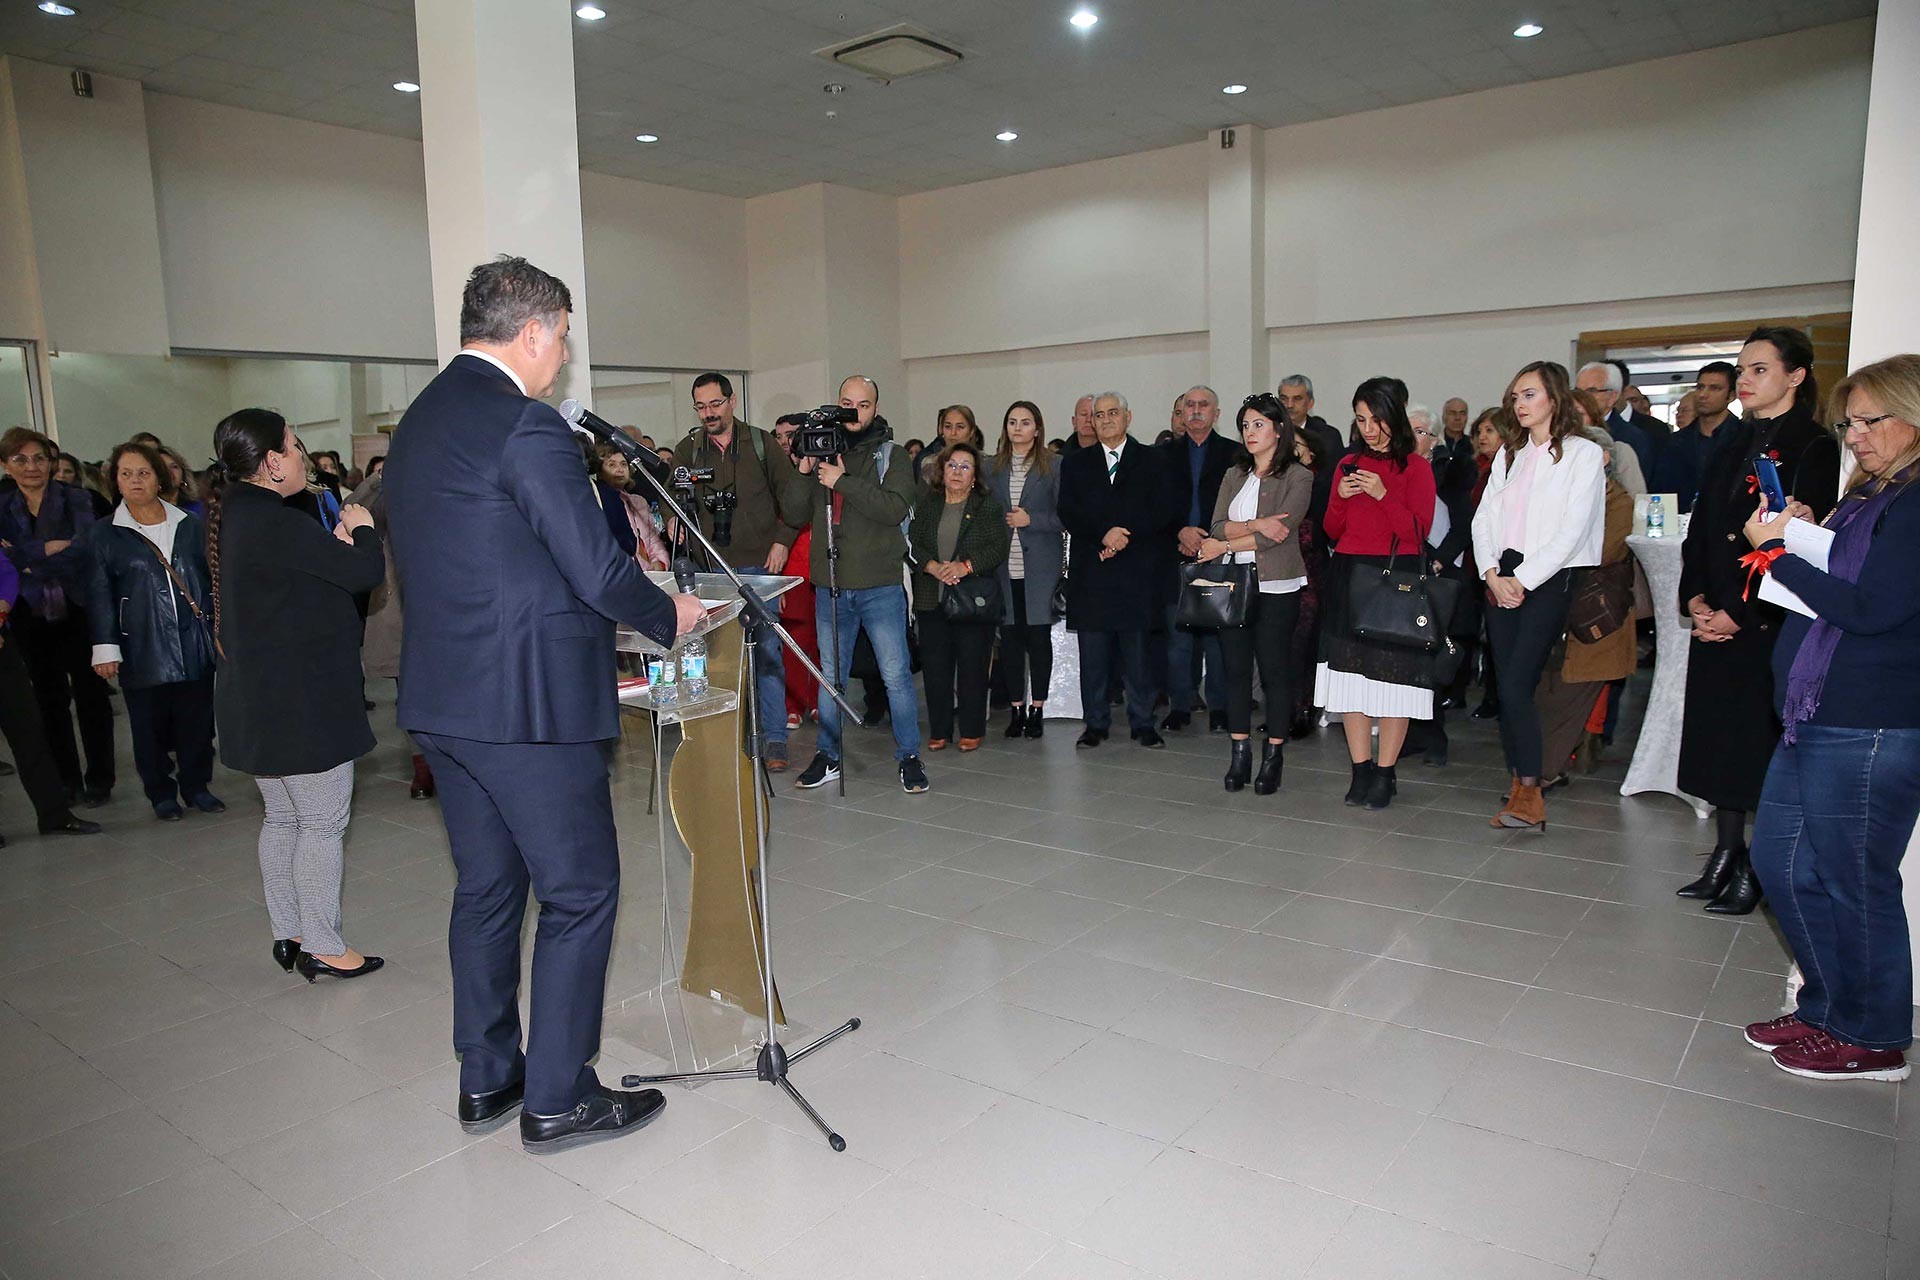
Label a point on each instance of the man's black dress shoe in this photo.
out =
(1148, 738)
(285, 952)
(1090, 738)
(73, 826)
(485, 1112)
(604, 1113)
(1176, 721)
(1216, 722)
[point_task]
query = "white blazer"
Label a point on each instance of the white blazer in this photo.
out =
(1566, 513)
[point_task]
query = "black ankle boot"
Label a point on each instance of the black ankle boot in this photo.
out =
(1240, 764)
(1714, 876)
(1017, 725)
(1381, 787)
(1270, 764)
(1362, 776)
(1742, 893)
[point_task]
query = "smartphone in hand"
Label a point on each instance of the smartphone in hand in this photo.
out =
(1768, 474)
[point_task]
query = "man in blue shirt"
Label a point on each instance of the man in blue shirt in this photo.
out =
(1683, 460)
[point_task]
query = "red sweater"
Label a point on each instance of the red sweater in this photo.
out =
(1362, 526)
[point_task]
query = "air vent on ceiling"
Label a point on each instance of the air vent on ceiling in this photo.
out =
(893, 54)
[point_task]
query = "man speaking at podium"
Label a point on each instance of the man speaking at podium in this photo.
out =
(512, 581)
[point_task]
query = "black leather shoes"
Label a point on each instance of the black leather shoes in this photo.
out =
(1742, 892)
(1148, 738)
(485, 1112)
(1090, 738)
(603, 1113)
(1175, 721)
(285, 952)
(311, 968)
(1714, 876)
(73, 826)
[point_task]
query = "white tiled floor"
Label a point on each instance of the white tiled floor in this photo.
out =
(1118, 1025)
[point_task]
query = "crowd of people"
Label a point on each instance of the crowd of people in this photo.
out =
(1274, 578)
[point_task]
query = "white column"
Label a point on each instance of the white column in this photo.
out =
(502, 154)
(1236, 264)
(1886, 273)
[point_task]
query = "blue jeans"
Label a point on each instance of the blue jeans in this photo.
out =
(883, 612)
(770, 674)
(1834, 819)
(1181, 686)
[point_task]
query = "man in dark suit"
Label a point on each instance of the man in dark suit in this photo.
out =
(512, 582)
(1199, 458)
(1635, 408)
(1604, 379)
(1296, 397)
(1119, 503)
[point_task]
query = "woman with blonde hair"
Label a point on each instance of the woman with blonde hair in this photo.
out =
(1842, 791)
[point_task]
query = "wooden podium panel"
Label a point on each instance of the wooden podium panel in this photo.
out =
(710, 795)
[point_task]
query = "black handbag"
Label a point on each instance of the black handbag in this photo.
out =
(1409, 610)
(972, 599)
(1057, 606)
(1214, 593)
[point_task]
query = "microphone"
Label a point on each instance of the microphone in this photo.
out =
(585, 420)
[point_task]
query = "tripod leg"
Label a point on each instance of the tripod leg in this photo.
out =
(820, 1042)
(834, 1140)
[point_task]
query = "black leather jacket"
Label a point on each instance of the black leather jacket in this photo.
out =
(132, 602)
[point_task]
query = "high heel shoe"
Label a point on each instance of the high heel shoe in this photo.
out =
(285, 952)
(311, 968)
(1714, 876)
(1743, 892)
(1271, 763)
(1239, 764)
(1017, 725)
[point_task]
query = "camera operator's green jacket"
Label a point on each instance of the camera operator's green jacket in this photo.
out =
(873, 509)
(773, 497)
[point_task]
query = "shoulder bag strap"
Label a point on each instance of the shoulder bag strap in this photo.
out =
(199, 615)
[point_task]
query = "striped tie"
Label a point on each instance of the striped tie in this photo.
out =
(1113, 463)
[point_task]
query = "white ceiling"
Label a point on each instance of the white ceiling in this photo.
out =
(733, 91)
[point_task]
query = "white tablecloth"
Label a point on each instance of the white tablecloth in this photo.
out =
(1063, 695)
(1656, 757)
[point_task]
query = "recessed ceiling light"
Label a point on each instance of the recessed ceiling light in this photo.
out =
(590, 13)
(57, 10)
(1084, 18)
(1528, 30)
(406, 86)
(646, 137)
(1235, 88)
(1006, 135)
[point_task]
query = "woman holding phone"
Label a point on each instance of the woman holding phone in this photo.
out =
(1263, 499)
(1728, 727)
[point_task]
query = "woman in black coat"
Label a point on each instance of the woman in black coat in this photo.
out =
(1728, 726)
(287, 696)
(959, 537)
(150, 608)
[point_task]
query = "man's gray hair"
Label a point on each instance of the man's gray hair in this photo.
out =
(1421, 412)
(1616, 382)
(1201, 386)
(502, 295)
(1113, 395)
(1300, 380)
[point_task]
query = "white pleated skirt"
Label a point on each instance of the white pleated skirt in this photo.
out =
(1343, 691)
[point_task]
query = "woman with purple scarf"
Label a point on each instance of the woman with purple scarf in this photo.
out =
(1843, 790)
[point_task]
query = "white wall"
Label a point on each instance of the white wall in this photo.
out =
(316, 396)
(1734, 167)
(285, 235)
(1474, 355)
(104, 399)
(90, 202)
(668, 275)
(20, 298)
(1089, 252)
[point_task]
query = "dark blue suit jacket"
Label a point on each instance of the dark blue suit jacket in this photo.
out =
(510, 575)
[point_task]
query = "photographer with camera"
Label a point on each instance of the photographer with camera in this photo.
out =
(750, 503)
(867, 488)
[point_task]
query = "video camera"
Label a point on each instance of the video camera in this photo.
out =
(822, 433)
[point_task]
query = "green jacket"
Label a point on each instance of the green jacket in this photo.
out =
(772, 495)
(872, 510)
(984, 539)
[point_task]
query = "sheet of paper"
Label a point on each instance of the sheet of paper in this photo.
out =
(1811, 543)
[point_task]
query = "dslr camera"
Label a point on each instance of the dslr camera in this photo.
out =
(823, 431)
(720, 505)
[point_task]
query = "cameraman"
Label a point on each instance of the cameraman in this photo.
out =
(863, 497)
(769, 500)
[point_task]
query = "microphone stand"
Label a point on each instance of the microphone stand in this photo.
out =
(773, 1061)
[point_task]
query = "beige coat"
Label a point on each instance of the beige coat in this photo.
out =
(1611, 657)
(1288, 494)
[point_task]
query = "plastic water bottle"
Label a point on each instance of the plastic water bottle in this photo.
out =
(1656, 518)
(663, 680)
(693, 669)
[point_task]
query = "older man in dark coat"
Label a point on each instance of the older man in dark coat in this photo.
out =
(1120, 506)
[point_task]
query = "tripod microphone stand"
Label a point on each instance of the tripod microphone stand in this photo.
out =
(772, 1063)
